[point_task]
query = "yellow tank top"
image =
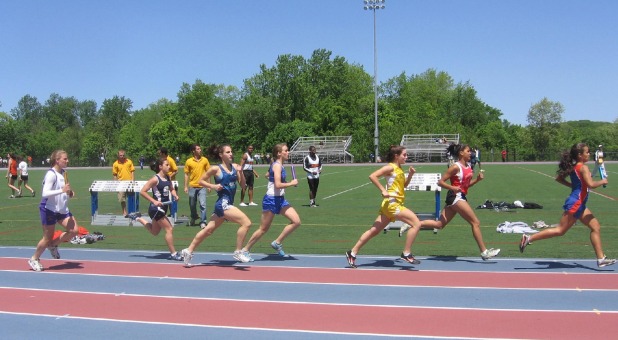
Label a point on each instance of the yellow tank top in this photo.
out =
(395, 184)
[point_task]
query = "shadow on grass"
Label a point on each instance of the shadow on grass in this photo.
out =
(549, 265)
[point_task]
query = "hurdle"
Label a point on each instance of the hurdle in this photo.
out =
(422, 182)
(132, 188)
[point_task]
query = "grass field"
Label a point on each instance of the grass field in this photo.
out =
(348, 205)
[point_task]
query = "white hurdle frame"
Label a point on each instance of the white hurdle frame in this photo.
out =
(132, 188)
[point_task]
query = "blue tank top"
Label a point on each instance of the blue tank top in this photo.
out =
(270, 188)
(161, 192)
(228, 181)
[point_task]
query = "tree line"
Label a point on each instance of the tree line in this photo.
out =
(323, 95)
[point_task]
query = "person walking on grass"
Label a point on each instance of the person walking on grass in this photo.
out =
(573, 165)
(22, 169)
(460, 177)
(54, 209)
(392, 207)
(162, 193)
(11, 175)
(274, 202)
(226, 175)
(313, 167)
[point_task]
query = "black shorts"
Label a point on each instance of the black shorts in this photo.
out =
(249, 178)
(157, 213)
(24, 178)
(13, 177)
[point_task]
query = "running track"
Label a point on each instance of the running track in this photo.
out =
(106, 294)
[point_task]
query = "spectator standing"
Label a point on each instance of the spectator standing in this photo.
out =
(123, 170)
(195, 167)
(249, 173)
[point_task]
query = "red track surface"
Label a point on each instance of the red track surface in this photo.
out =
(311, 317)
(322, 275)
(322, 317)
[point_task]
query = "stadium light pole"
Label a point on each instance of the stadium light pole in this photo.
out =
(375, 5)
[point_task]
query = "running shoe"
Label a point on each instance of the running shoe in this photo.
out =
(175, 256)
(243, 204)
(525, 240)
(252, 204)
(240, 256)
(33, 193)
(605, 262)
(489, 253)
(186, 256)
(248, 255)
(278, 247)
(351, 258)
(54, 252)
(134, 215)
(35, 265)
(202, 225)
(404, 227)
(410, 259)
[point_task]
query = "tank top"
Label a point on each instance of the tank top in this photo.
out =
(228, 181)
(395, 184)
(462, 178)
(270, 188)
(161, 191)
(248, 162)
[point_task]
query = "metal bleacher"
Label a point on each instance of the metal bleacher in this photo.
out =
(428, 147)
(331, 149)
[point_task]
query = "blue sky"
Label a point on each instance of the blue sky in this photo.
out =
(513, 53)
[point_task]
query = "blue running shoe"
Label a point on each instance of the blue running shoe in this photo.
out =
(278, 247)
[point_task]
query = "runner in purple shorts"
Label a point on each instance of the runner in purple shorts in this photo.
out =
(54, 209)
(274, 202)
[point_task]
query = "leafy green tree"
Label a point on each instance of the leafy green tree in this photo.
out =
(544, 120)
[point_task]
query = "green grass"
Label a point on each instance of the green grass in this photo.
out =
(348, 206)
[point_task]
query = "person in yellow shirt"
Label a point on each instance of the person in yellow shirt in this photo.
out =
(195, 167)
(123, 170)
(393, 197)
(163, 152)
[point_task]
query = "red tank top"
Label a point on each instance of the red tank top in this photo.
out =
(462, 178)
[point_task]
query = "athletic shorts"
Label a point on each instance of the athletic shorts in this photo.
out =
(157, 213)
(391, 208)
(249, 178)
(574, 206)
(274, 204)
(24, 178)
(122, 196)
(49, 217)
(222, 205)
(452, 198)
(13, 177)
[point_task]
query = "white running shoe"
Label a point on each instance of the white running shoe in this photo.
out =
(240, 256)
(35, 265)
(243, 204)
(186, 257)
(54, 252)
(252, 204)
(489, 253)
(404, 227)
(248, 255)
(605, 262)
